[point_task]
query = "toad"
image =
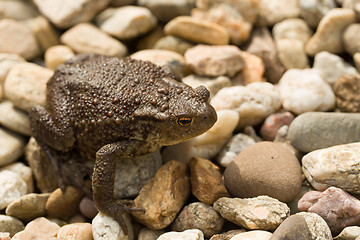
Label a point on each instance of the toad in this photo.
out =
(99, 109)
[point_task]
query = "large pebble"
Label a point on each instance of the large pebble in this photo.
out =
(56, 55)
(252, 235)
(315, 130)
(312, 11)
(305, 90)
(10, 224)
(349, 233)
(328, 36)
(191, 234)
(351, 33)
(198, 31)
(40, 229)
(253, 70)
(78, 231)
(25, 85)
(292, 28)
(85, 37)
(253, 103)
(11, 147)
(265, 168)
(347, 91)
(106, 228)
(13, 187)
(14, 119)
(292, 53)
(213, 84)
(8, 61)
(271, 12)
(333, 166)
(24, 171)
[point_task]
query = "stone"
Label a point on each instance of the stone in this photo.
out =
(24, 171)
(85, 37)
(167, 10)
(18, 10)
(28, 207)
(14, 119)
(302, 226)
(328, 35)
(56, 55)
(332, 67)
(78, 231)
(149, 234)
(135, 21)
(356, 58)
(133, 173)
(206, 181)
(5, 236)
(10, 224)
(173, 43)
(13, 187)
(12, 146)
(316, 130)
(8, 61)
(253, 70)
(199, 216)
(265, 168)
(253, 103)
(106, 228)
(16, 38)
(67, 13)
(273, 123)
(338, 208)
(333, 166)
(87, 208)
(64, 205)
(213, 84)
(352, 4)
(25, 85)
(163, 196)
(253, 235)
(312, 11)
(40, 229)
(305, 90)
(292, 53)
(227, 235)
(347, 91)
(191, 234)
(233, 147)
(228, 17)
(149, 40)
(349, 233)
(260, 213)
(271, 12)
(214, 60)
(198, 31)
(292, 28)
(350, 34)
(208, 144)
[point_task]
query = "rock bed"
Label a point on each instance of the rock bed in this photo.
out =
(283, 77)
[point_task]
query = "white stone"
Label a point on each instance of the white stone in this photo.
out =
(12, 187)
(106, 228)
(25, 85)
(292, 28)
(349, 233)
(332, 67)
(253, 235)
(18, 10)
(292, 54)
(317, 226)
(305, 91)
(126, 22)
(57, 55)
(7, 61)
(12, 146)
(191, 234)
(14, 119)
(253, 103)
(271, 12)
(25, 173)
(334, 166)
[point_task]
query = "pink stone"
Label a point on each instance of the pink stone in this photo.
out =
(273, 123)
(338, 208)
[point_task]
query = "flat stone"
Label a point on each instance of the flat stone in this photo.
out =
(316, 130)
(14, 119)
(350, 34)
(349, 233)
(8, 61)
(292, 53)
(149, 234)
(10, 224)
(13, 187)
(253, 235)
(11, 145)
(24, 171)
(78, 231)
(135, 21)
(40, 228)
(25, 85)
(328, 35)
(85, 37)
(253, 70)
(18, 10)
(347, 91)
(292, 28)
(271, 12)
(173, 43)
(191, 234)
(305, 90)
(265, 168)
(198, 31)
(56, 55)
(163, 196)
(213, 84)
(106, 228)
(312, 11)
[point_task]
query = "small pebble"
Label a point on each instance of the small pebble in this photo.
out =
(273, 123)
(24, 171)
(347, 91)
(40, 228)
(106, 228)
(14, 119)
(5, 236)
(191, 234)
(13, 187)
(8, 61)
(76, 231)
(10, 224)
(149, 234)
(351, 33)
(173, 43)
(252, 235)
(44, 32)
(213, 84)
(87, 208)
(292, 28)
(292, 53)
(349, 233)
(57, 55)
(18, 10)
(312, 11)
(227, 235)
(12, 146)
(271, 12)
(253, 70)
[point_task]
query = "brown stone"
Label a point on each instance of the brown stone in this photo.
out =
(347, 91)
(253, 70)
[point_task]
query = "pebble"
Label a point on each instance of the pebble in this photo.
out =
(227, 235)
(106, 228)
(214, 60)
(85, 37)
(253, 70)
(25, 85)
(149, 234)
(253, 103)
(135, 21)
(200, 216)
(18, 10)
(198, 31)
(13, 187)
(332, 67)
(316, 130)
(8, 61)
(12, 146)
(351, 4)
(68, 13)
(24, 171)
(305, 90)
(213, 84)
(347, 89)
(39, 229)
(292, 54)
(64, 205)
(338, 208)
(233, 147)
(173, 43)
(17, 38)
(303, 226)
(261, 213)
(349, 233)
(312, 11)
(206, 181)
(273, 123)
(28, 207)
(10, 224)
(132, 173)
(163, 196)
(328, 35)
(5, 236)
(56, 55)
(87, 208)
(149, 40)
(191, 234)
(292, 28)
(271, 12)
(14, 119)
(350, 34)
(252, 235)
(333, 166)
(78, 231)
(265, 168)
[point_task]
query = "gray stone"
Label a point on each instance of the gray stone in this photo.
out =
(312, 11)
(349, 233)
(14, 119)
(213, 84)
(11, 145)
(10, 224)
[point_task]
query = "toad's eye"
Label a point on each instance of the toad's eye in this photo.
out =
(184, 121)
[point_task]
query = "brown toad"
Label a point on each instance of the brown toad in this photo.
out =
(100, 108)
